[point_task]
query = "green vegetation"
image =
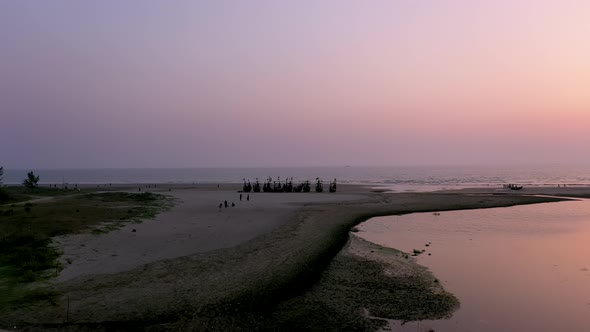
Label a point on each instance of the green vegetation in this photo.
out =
(26, 252)
(16, 194)
(31, 182)
(4, 196)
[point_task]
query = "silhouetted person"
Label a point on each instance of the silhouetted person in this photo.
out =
(240, 197)
(220, 206)
(233, 204)
(248, 197)
(225, 202)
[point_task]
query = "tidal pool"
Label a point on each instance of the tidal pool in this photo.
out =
(521, 268)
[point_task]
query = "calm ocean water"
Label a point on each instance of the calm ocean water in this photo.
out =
(394, 178)
(521, 268)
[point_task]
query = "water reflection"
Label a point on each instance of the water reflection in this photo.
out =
(520, 268)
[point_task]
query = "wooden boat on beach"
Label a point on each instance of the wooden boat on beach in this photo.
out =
(333, 186)
(513, 187)
(247, 186)
(306, 187)
(319, 187)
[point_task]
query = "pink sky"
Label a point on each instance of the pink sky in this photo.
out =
(300, 83)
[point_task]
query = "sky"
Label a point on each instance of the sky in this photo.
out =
(111, 83)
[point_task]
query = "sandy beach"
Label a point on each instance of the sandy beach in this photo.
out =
(195, 224)
(196, 266)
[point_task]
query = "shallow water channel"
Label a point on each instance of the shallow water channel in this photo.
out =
(521, 268)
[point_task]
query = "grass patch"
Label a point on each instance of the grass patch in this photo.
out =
(109, 227)
(9, 284)
(26, 253)
(17, 290)
(16, 194)
(4, 196)
(29, 255)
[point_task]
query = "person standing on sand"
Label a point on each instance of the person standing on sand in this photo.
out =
(248, 197)
(220, 206)
(225, 202)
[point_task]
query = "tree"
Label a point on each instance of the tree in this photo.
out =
(4, 197)
(31, 180)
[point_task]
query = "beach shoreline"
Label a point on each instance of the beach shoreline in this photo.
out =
(282, 257)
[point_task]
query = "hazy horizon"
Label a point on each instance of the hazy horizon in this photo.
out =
(401, 166)
(183, 84)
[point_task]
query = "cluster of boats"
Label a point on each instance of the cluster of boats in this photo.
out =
(287, 186)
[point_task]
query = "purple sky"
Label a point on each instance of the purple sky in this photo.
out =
(293, 83)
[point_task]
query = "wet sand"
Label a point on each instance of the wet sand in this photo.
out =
(195, 261)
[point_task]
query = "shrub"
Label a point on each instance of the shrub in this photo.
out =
(4, 196)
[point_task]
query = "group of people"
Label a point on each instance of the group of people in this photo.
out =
(226, 204)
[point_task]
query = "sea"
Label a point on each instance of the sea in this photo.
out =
(395, 179)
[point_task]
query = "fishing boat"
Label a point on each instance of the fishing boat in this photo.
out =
(256, 186)
(247, 186)
(512, 187)
(306, 187)
(319, 187)
(333, 186)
